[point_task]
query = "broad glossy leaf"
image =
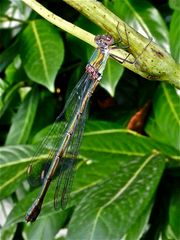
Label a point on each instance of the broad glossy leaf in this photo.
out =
(142, 16)
(166, 110)
(174, 35)
(23, 120)
(154, 131)
(105, 142)
(98, 145)
(91, 126)
(42, 52)
(100, 134)
(139, 227)
(97, 125)
(13, 166)
(87, 176)
(104, 149)
(110, 208)
(96, 170)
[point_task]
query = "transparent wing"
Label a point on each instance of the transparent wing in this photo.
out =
(68, 164)
(46, 150)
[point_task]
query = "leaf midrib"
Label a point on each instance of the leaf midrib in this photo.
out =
(121, 191)
(40, 48)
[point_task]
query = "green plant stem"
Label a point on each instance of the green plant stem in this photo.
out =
(154, 63)
(61, 23)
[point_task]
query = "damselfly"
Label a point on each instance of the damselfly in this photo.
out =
(69, 132)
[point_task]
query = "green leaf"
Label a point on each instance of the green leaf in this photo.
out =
(42, 52)
(39, 229)
(110, 208)
(8, 55)
(111, 76)
(153, 129)
(174, 35)
(94, 147)
(140, 226)
(166, 110)
(8, 233)
(4, 6)
(98, 145)
(23, 120)
(121, 142)
(174, 4)
(115, 141)
(104, 149)
(142, 16)
(13, 166)
(174, 213)
(101, 139)
(8, 92)
(14, 72)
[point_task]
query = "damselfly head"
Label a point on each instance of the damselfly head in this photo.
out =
(104, 40)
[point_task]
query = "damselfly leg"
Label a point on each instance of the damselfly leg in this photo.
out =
(128, 47)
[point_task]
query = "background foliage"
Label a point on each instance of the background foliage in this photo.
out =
(127, 184)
